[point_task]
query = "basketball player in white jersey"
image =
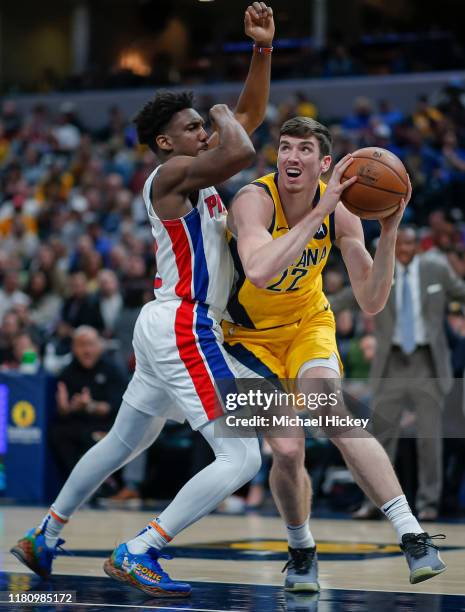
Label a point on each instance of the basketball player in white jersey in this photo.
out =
(177, 338)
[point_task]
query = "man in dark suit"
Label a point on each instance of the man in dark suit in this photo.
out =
(412, 365)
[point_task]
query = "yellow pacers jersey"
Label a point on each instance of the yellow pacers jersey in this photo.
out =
(297, 291)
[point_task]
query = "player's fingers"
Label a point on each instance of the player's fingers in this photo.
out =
(258, 9)
(342, 166)
(252, 13)
(342, 161)
(349, 182)
(247, 19)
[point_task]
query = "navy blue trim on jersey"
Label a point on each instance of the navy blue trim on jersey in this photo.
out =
(332, 227)
(235, 308)
(267, 189)
(316, 199)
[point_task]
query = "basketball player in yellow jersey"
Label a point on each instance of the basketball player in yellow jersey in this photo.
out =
(283, 227)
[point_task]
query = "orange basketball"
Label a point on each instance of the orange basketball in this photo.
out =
(382, 183)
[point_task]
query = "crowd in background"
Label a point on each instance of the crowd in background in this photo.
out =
(76, 249)
(216, 61)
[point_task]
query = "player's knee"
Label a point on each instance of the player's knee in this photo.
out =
(288, 453)
(114, 447)
(247, 462)
(255, 461)
(350, 439)
(252, 461)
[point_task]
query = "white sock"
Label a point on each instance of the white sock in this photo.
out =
(52, 524)
(300, 536)
(153, 536)
(399, 513)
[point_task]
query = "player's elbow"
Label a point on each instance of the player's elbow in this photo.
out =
(371, 311)
(372, 308)
(257, 278)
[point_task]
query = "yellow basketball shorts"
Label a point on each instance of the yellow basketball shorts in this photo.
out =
(282, 351)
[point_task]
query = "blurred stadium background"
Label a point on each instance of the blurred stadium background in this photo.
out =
(75, 247)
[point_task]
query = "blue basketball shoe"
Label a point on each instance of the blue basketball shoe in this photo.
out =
(33, 551)
(144, 572)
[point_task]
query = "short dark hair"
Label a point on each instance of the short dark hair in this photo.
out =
(156, 114)
(300, 127)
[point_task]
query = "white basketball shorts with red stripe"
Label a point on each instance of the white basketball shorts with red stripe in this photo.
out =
(179, 355)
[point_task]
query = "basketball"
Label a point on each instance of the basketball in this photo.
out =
(382, 183)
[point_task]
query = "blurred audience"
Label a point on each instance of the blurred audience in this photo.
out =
(88, 395)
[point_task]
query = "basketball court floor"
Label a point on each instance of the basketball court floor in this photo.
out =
(234, 563)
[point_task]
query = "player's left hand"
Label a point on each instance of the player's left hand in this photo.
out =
(391, 223)
(259, 24)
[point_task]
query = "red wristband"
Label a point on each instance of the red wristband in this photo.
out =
(262, 50)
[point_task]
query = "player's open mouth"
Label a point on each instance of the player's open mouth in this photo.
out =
(293, 172)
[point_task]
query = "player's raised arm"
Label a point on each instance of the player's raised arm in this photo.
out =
(183, 174)
(252, 103)
(253, 100)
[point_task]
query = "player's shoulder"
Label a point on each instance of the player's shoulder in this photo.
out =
(254, 190)
(253, 204)
(171, 173)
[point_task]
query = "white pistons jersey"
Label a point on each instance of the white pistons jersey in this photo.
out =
(193, 258)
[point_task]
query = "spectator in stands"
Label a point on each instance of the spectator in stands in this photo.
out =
(412, 366)
(426, 118)
(88, 395)
(79, 308)
(47, 262)
(92, 264)
(66, 134)
(136, 281)
(388, 115)
(18, 225)
(11, 119)
(10, 327)
(304, 107)
(453, 419)
(360, 354)
(45, 304)
(360, 119)
(10, 292)
(345, 329)
(23, 343)
(110, 300)
(339, 63)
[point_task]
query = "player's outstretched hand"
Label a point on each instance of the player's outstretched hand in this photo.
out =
(259, 24)
(335, 187)
(391, 223)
